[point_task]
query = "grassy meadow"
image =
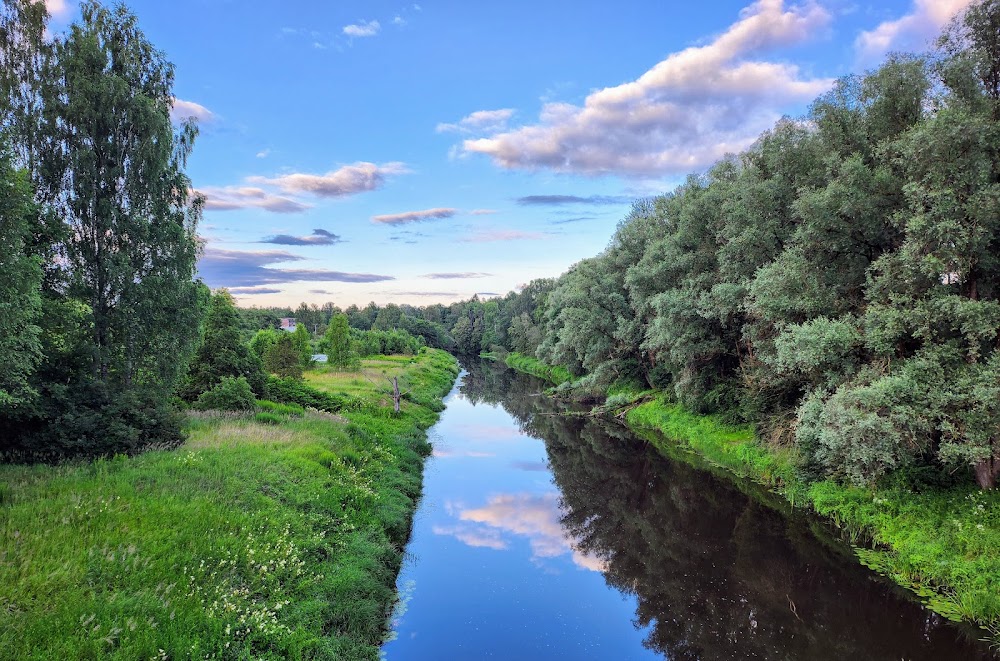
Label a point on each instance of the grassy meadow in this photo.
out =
(270, 536)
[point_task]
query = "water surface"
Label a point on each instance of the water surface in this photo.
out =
(542, 536)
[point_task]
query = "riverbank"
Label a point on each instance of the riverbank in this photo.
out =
(939, 543)
(272, 536)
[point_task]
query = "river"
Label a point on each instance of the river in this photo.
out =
(541, 536)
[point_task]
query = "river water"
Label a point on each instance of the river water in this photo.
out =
(542, 536)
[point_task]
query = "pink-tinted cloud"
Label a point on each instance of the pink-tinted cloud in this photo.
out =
(348, 180)
(683, 114)
(912, 32)
(477, 537)
(414, 216)
(57, 8)
(228, 198)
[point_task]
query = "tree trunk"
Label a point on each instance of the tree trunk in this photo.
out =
(395, 394)
(987, 472)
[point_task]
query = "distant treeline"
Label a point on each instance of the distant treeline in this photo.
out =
(837, 283)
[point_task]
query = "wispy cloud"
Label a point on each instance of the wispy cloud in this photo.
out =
(414, 216)
(481, 121)
(473, 536)
(348, 180)
(362, 29)
(182, 110)
(910, 32)
(227, 198)
(455, 276)
(574, 219)
(57, 8)
(483, 212)
(319, 237)
(249, 291)
(442, 294)
(489, 236)
(234, 268)
(686, 112)
(556, 200)
(263, 153)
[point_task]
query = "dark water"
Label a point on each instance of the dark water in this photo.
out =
(547, 537)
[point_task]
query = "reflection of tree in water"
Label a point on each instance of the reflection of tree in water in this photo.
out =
(716, 573)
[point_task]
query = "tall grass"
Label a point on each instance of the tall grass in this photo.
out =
(553, 374)
(274, 541)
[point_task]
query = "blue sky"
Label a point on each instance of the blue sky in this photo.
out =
(422, 153)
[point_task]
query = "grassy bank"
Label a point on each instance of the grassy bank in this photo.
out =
(941, 544)
(275, 537)
(535, 367)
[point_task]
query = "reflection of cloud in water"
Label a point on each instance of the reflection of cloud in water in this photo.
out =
(446, 452)
(530, 465)
(536, 517)
(473, 536)
(489, 433)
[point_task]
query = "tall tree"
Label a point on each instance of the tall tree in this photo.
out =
(222, 352)
(337, 342)
(113, 169)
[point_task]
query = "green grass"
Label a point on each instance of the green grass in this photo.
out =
(276, 540)
(533, 366)
(943, 545)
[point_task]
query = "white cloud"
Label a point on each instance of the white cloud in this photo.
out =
(362, 29)
(414, 216)
(228, 198)
(398, 20)
(683, 114)
(913, 31)
(57, 8)
(263, 153)
(182, 110)
(347, 180)
(481, 121)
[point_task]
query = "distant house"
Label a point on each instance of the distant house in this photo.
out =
(288, 324)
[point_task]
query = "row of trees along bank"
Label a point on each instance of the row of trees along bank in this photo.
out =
(837, 283)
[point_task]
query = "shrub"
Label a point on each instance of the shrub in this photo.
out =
(268, 418)
(293, 391)
(277, 408)
(230, 394)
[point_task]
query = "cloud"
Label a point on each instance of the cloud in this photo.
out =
(248, 291)
(227, 198)
(317, 238)
(263, 153)
(910, 32)
(553, 200)
(482, 212)
(455, 276)
(398, 20)
(487, 293)
(685, 113)
(490, 236)
(56, 8)
(479, 538)
(322, 291)
(414, 216)
(234, 268)
(574, 219)
(350, 179)
(536, 517)
(362, 29)
(182, 110)
(488, 121)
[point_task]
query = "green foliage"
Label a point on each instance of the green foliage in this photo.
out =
(229, 394)
(302, 340)
(385, 343)
(528, 365)
(263, 340)
(20, 298)
(284, 358)
(293, 391)
(266, 405)
(337, 343)
(222, 352)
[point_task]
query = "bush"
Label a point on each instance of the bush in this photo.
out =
(293, 391)
(267, 418)
(230, 394)
(268, 406)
